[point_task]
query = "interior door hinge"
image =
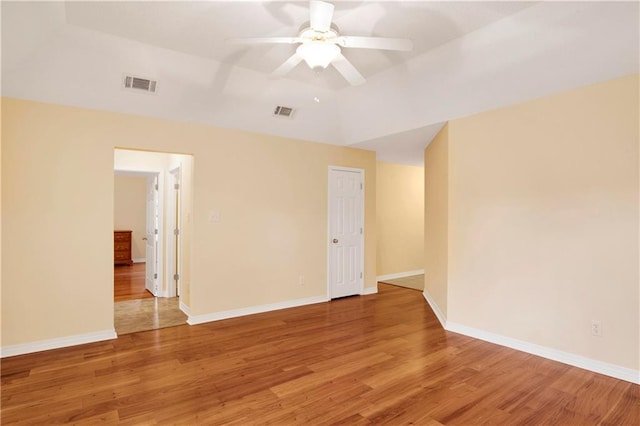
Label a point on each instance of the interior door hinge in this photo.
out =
(155, 276)
(360, 274)
(176, 232)
(360, 230)
(176, 186)
(361, 186)
(155, 231)
(176, 277)
(156, 186)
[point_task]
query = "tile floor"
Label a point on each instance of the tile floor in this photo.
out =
(147, 314)
(415, 282)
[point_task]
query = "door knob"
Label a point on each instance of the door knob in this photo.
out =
(335, 241)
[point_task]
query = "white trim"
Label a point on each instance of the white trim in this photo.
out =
(370, 290)
(140, 260)
(400, 275)
(216, 316)
(184, 308)
(579, 361)
(61, 342)
(160, 252)
(348, 169)
(436, 310)
(172, 250)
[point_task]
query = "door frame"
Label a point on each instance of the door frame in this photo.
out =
(332, 169)
(150, 174)
(173, 218)
(159, 235)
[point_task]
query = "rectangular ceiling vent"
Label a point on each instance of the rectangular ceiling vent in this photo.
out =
(283, 111)
(140, 84)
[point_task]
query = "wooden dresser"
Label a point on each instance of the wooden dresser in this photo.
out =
(122, 248)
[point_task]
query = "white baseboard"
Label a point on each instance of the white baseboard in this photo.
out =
(579, 361)
(184, 308)
(399, 275)
(436, 310)
(217, 316)
(140, 260)
(370, 290)
(61, 342)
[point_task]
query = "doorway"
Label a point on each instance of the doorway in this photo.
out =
(156, 244)
(136, 241)
(346, 232)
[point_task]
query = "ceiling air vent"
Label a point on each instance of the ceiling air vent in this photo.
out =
(140, 84)
(283, 111)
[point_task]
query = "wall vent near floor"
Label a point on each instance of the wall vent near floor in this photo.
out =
(283, 111)
(140, 84)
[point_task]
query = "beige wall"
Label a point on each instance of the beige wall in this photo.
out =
(58, 161)
(399, 215)
(543, 222)
(129, 210)
(436, 219)
(1, 210)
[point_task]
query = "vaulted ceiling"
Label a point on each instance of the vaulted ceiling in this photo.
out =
(468, 57)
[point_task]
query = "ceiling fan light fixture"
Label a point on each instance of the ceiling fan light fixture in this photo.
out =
(318, 55)
(320, 45)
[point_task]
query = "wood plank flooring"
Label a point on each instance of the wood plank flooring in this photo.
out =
(378, 359)
(128, 282)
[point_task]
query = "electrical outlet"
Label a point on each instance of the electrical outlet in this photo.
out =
(596, 328)
(301, 280)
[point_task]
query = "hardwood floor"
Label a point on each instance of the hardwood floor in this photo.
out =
(378, 359)
(128, 282)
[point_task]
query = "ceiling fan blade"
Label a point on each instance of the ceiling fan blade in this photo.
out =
(348, 71)
(321, 14)
(383, 43)
(287, 66)
(264, 40)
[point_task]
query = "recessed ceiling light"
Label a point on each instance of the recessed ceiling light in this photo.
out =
(316, 99)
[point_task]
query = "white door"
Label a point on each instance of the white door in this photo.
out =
(346, 233)
(151, 267)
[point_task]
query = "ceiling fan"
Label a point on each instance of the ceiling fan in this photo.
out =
(320, 45)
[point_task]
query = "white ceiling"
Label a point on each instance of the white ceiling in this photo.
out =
(468, 57)
(201, 28)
